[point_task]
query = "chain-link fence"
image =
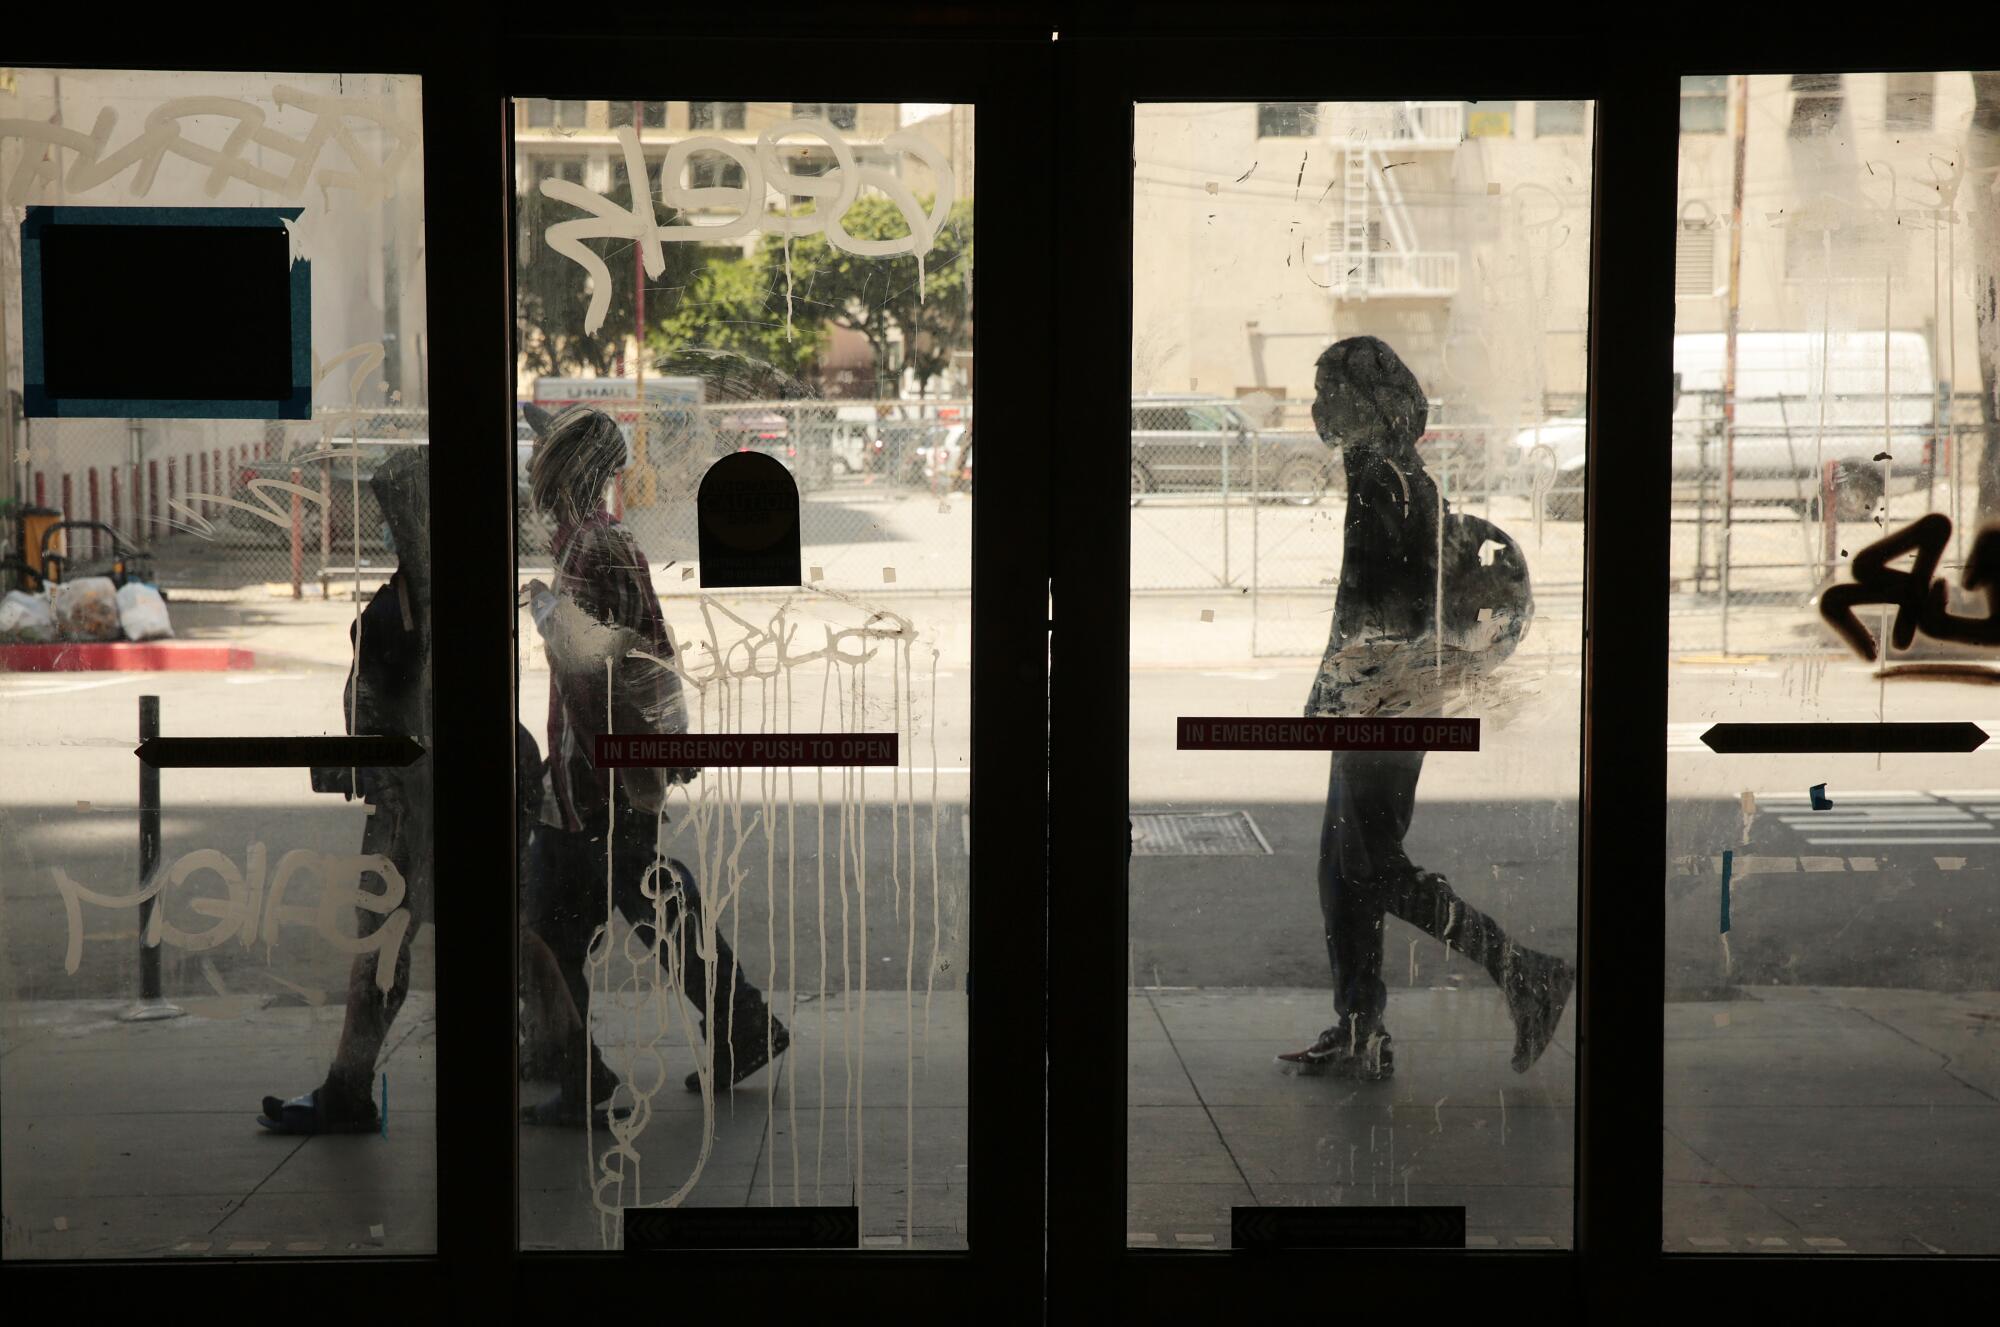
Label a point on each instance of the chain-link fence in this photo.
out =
(1770, 507)
(1242, 496)
(245, 508)
(1767, 507)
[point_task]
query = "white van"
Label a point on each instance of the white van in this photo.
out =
(1782, 437)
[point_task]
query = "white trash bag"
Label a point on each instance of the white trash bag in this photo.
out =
(27, 617)
(142, 611)
(87, 609)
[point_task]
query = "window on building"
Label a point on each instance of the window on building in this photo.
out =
(571, 114)
(1287, 119)
(1704, 103)
(712, 170)
(805, 166)
(652, 114)
(1907, 101)
(840, 114)
(715, 114)
(1558, 119)
(1816, 104)
(1694, 252)
(566, 168)
(541, 113)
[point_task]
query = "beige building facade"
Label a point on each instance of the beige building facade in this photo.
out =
(1459, 233)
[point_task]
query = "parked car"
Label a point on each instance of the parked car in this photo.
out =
(1782, 439)
(901, 446)
(944, 462)
(342, 476)
(1189, 443)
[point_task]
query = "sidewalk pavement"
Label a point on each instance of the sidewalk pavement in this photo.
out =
(140, 1139)
(1798, 1120)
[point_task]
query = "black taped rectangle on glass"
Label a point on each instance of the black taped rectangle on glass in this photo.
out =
(1347, 1227)
(652, 1229)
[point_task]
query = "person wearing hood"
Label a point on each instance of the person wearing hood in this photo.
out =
(1397, 649)
(387, 692)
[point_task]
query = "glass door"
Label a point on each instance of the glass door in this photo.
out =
(1355, 675)
(744, 448)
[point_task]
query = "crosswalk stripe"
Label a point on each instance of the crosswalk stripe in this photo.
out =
(1880, 838)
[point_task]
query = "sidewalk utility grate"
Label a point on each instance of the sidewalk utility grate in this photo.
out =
(1198, 834)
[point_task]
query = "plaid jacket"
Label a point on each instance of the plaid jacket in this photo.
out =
(600, 565)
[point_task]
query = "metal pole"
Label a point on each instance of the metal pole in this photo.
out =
(150, 1006)
(149, 847)
(640, 452)
(1225, 510)
(1256, 544)
(1742, 133)
(298, 550)
(326, 519)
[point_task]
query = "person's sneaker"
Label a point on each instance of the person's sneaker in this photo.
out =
(748, 1056)
(1537, 990)
(1345, 1051)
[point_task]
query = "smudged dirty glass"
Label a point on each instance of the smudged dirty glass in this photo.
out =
(1831, 984)
(1356, 452)
(744, 959)
(217, 985)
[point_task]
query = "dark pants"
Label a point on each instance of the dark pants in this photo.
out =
(1364, 873)
(400, 829)
(563, 901)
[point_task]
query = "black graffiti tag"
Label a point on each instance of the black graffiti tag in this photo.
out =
(1920, 597)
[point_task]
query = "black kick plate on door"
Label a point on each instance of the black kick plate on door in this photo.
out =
(657, 1228)
(1347, 1227)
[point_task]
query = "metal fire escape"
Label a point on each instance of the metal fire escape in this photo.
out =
(1373, 248)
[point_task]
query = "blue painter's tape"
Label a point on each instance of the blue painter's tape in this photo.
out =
(1819, 799)
(1728, 864)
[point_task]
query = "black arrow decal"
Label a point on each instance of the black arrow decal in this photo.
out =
(1739, 739)
(279, 752)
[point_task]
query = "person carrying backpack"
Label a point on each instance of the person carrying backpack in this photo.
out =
(1396, 649)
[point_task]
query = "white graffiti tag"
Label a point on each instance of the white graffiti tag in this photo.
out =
(366, 358)
(764, 173)
(371, 178)
(248, 913)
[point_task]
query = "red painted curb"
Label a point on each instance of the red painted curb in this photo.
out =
(123, 656)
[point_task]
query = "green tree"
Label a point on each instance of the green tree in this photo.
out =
(875, 296)
(552, 293)
(737, 306)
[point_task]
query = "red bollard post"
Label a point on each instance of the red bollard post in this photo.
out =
(298, 551)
